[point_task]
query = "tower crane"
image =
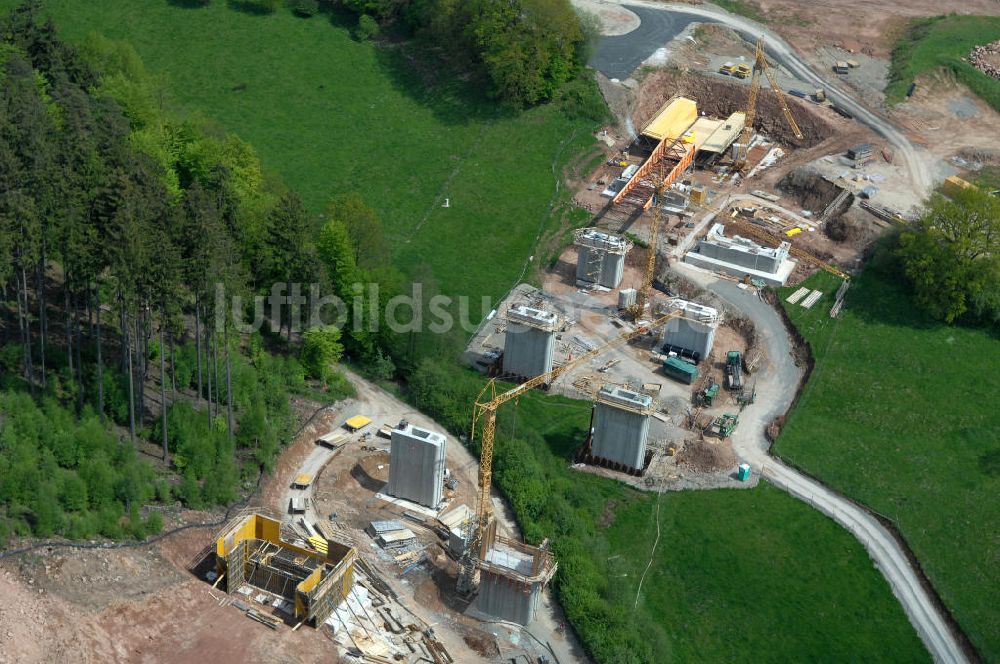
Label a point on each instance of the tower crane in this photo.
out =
(485, 409)
(642, 297)
(760, 66)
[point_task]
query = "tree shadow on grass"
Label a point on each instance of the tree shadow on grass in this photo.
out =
(189, 4)
(247, 7)
(881, 295)
(450, 87)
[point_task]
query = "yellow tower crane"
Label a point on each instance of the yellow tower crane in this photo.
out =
(485, 409)
(642, 297)
(760, 65)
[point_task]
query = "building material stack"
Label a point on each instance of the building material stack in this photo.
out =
(861, 154)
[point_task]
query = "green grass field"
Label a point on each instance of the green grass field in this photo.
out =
(330, 114)
(943, 41)
(737, 576)
(901, 413)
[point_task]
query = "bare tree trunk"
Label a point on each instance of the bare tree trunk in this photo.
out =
(140, 364)
(100, 365)
(124, 331)
(23, 329)
(215, 368)
(81, 390)
(40, 296)
(229, 385)
(163, 391)
(69, 329)
(197, 341)
(131, 384)
(28, 367)
(208, 371)
(173, 371)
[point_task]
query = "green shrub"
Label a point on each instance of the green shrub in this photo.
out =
(367, 28)
(321, 349)
(305, 8)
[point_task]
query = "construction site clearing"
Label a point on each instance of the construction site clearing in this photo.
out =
(376, 573)
(705, 187)
(390, 540)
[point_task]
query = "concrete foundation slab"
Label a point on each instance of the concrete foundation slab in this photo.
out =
(777, 278)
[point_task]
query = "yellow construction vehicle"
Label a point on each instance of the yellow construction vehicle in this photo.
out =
(742, 71)
(485, 411)
(760, 66)
(727, 69)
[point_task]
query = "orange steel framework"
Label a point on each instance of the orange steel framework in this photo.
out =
(670, 156)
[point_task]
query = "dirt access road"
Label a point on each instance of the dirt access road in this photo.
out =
(776, 391)
(382, 407)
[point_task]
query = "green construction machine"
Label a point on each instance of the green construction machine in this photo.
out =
(734, 370)
(708, 394)
(723, 426)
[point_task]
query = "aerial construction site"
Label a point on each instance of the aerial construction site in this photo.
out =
(725, 176)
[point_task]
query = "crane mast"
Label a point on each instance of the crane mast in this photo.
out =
(760, 66)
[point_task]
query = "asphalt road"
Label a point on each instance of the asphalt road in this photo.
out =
(617, 57)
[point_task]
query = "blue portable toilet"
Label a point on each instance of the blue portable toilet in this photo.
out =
(743, 474)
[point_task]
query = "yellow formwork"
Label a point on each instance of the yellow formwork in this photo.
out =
(675, 118)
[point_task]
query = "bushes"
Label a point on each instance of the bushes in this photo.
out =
(63, 475)
(321, 349)
(305, 8)
(367, 28)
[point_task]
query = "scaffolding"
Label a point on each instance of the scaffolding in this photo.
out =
(250, 551)
(512, 576)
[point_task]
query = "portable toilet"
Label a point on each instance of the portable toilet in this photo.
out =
(743, 473)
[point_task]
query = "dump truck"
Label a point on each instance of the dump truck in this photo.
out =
(727, 69)
(734, 370)
(681, 370)
(723, 426)
(742, 71)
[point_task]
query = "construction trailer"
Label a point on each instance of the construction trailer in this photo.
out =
(621, 427)
(740, 257)
(249, 550)
(416, 465)
(512, 576)
(680, 369)
(693, 334)
(530, 341)
(600, 257)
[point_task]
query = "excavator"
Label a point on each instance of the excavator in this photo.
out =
(760, 66)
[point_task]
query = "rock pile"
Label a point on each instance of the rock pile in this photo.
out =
(987, 59)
